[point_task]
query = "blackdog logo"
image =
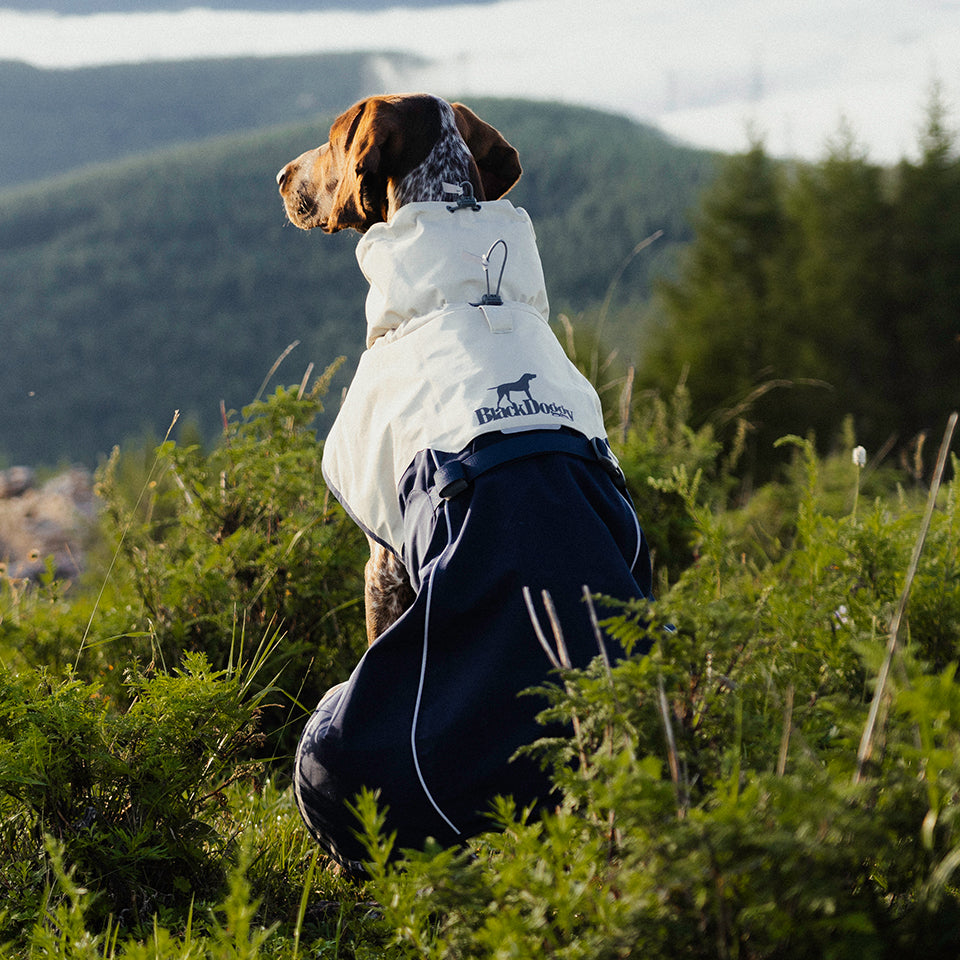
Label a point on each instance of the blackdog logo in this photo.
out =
(525, 408)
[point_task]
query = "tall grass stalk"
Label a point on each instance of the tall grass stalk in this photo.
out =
(304, 897)
(276, 366)
(866, 741)
(608, 298)
(123, 534)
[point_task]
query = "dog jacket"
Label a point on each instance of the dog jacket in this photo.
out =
(470, 446)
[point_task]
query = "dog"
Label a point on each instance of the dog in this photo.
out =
(464, 503)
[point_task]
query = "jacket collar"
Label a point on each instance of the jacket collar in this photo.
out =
(429, 257)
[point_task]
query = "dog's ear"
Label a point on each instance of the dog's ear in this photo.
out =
(497, 161)
(361, 196)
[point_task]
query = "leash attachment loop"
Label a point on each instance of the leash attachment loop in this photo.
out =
(465, 198)
(492, 299)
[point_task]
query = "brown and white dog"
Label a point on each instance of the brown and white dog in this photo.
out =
(382, 153)
(469, 502)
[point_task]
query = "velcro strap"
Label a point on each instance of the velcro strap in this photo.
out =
(454, 476)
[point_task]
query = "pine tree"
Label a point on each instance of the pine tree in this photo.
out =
(719, 308)
(841, 310)
(736, 327)
(837, 283)
(923, 377)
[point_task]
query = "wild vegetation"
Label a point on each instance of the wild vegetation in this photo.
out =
(731, 794)
(777, 778)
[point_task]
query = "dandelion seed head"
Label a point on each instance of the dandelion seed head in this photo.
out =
(859, 457)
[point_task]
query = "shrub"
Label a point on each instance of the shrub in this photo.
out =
(721, 796)
(128, 793)
(243, 538)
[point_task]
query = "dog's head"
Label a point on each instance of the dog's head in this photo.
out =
(351, 180)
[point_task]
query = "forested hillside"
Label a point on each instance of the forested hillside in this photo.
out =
(173, 281)
(170, 280)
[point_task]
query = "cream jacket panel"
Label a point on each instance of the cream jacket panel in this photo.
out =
(434, 380)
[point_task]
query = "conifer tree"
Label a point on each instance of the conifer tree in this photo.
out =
(733, 331)
(840, 309)
(720, 306)
(836, 283)
(923, 376)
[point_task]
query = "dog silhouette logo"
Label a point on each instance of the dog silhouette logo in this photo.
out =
(507, 408)
(517, 386)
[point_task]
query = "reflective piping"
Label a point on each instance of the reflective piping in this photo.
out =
(298, 776)
(636, 526)
(423, 671)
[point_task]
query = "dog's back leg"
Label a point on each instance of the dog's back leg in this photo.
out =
(386, 590)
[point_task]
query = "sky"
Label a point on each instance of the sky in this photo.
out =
(713, 73)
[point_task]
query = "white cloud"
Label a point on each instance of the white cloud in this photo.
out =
(702, 71)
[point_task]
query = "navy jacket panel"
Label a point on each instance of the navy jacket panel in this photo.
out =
(433, 713)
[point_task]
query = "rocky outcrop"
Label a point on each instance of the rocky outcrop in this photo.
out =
(37, 521)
